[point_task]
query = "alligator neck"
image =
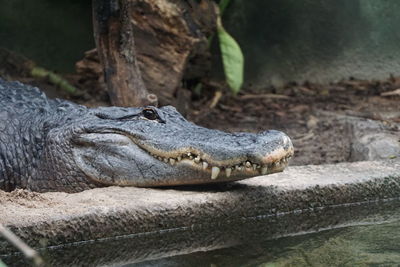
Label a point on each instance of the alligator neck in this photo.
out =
(22, 140)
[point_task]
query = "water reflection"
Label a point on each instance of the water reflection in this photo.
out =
(356, 235)
(364, 245)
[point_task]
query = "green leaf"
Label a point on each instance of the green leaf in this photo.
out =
(223, 4)
(2, 264)
(232, 59)
(53, 78)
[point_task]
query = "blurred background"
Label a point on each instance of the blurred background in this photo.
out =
(282, 40)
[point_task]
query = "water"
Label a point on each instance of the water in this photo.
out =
(373, 245)
(370, 238)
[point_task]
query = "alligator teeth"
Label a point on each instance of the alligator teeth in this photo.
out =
(205, 165)
(214, 172)
(264, 170)
(228, 172)
(247, 165)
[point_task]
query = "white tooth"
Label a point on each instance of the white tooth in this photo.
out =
(172, 161)
(254, 166)
(189, 154)
(214, 172)
(264, 170)
(197, 159)
(239, 168)
(166, 160)
(286, 140)
(228, 172)
(160, 158)
(248, 164)
(179, 158)
(205, 165)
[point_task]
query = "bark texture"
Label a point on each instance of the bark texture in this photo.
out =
(148, 43)
(115, 43)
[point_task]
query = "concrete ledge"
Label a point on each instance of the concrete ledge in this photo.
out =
(300, 199)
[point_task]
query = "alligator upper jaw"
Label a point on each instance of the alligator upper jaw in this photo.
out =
(272, 162)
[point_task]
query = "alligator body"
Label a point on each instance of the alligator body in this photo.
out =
(56, 145)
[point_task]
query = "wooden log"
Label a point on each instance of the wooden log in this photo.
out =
(116, 48)
(148, 43)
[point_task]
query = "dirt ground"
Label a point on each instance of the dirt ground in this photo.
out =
(308, 113)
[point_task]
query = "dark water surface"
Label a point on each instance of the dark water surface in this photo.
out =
(357, 235)
(368, 245)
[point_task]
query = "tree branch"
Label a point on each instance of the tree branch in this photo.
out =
(28, 252)
(115, 44)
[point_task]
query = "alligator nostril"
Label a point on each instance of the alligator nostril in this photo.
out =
(277, 136)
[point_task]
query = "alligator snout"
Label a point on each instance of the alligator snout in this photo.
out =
(274, 146)
(224, 155)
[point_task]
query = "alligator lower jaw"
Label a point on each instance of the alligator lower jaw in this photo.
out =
(243, 168)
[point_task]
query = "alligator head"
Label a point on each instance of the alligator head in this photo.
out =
(149, 147)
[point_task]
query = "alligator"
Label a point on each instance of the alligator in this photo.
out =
(57, 145)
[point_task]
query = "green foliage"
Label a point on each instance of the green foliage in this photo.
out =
(222, 6)
(232, 56)
(2, 264)
(232, 59)
(53, 78)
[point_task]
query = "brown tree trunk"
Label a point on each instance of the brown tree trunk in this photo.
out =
(167, 34)
(116, 48)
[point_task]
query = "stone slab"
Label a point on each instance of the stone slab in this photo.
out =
(294, 200)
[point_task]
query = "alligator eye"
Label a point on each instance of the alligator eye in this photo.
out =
(150, 114)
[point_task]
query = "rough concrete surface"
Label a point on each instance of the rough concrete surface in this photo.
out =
(50, 219)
